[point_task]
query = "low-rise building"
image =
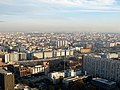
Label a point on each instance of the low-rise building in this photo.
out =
(55, 76)
(112, 55)
(85, 50)
(36, 69)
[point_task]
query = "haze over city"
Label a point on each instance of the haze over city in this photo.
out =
(59, 45)
(59, 15)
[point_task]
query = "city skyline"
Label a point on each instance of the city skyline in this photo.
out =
(60, 15)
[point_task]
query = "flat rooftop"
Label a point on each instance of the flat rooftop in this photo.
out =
(104, 81)
(5, 72)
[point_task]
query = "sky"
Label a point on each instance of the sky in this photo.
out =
(60, 15)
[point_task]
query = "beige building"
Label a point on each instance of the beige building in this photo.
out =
(38, 54)
(67, 52)
(113, 44)
(102, 67)
(22, 56)
(48, 54)
(112, 55)
(62, 52)
(71, 52)
(56, 53)
(85, 50)
(55, 76)
(37, 69)
(61, 43)
(14, 57)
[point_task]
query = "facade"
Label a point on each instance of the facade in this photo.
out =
(71, 52)
(14, 57)
(71, 73)
(113, 44)
(22, 56)
(63, 53)
(29, 55)
(55, 76)
(6, 80)
(59, 53)
(67, 52)
(38, 54)
(62, 43)
(102, 67)
(5, 57)
(21, 71)
(37, 69)
(48, 54)
(112, 55)
(56, 53)
(85, 50)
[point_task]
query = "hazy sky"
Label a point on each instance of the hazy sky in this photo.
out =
(60, 15)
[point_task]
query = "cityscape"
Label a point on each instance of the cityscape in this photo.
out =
(60, 61)
(59, 45)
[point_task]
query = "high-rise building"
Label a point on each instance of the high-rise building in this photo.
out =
(61, 43)
(102, 67)
(6, 80)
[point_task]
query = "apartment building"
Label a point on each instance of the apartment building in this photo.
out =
(102, 67)
(6, 80)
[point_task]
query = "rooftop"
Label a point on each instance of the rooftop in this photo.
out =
(5, 72)
(104, 81)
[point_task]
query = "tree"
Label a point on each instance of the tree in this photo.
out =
(78, 85)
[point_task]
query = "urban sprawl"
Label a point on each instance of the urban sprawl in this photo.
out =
(60, 61)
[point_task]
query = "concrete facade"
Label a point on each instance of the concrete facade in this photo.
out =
(102, 67)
